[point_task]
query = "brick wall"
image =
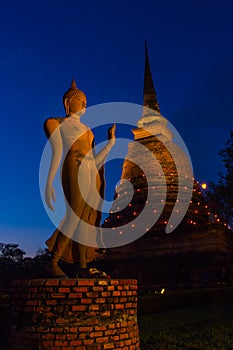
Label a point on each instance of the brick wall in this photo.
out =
(74, 314)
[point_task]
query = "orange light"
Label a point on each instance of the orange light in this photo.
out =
(204, 186)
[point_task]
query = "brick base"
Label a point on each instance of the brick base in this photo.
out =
(74, 314)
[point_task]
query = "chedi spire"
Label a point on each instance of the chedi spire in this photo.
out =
(149, 93)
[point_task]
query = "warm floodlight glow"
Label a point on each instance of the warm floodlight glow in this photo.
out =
(204, 186)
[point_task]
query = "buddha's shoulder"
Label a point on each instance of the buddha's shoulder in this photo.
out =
(51, 124)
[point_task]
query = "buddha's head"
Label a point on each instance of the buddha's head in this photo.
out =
(74, 100)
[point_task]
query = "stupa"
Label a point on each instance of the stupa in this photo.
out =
(157, 168)
(196, 242)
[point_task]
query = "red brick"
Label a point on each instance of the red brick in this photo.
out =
(61, 321)
(85, 329)
(36, 282)
(30, 309)
(78, 308)
(133, 287)
(123, 299)
(128, 305)
(48, 336)
(100, 300)
(122, 330)
(103, 282)
(132, 347)
(47, 343)
(60, 336)
(52, 282)
(33, 302)
(76, 343)
(81, 289)
(75, 295)
(72, 336)
(94, 307)
(72, 329)
(57, 295)
(61, 343)
(92, 294)
(63, 290)
(100, 328)
(96, 334)
(51, 302)
(114, 282)
(86, 282)
(94, 298)
(109, 346)
(116, 293)
(68, 282)
(120, 344)
(110, 332)
(111, 326)
(134, 340)
(101, 340)
(88, 342)
(115, 337)
(120, 287)
(86, 301)
(106, 314)
(110, 288)
(98, 289)
(56, 330)
(83, 336)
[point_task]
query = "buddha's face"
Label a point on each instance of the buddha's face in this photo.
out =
(77, 105)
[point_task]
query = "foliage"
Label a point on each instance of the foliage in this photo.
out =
(221, 193)
(14, 264)
(11, 251)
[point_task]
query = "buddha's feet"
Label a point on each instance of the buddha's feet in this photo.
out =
(56, 270)
(91, 272)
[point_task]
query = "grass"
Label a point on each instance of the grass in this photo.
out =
(202, 327)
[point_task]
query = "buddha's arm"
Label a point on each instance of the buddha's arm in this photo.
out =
(101, 156)
(52, 131)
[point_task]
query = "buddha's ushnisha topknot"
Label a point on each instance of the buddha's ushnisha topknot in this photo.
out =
(73, 91)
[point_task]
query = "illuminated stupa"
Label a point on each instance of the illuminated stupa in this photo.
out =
(198, 243)
(158, 159)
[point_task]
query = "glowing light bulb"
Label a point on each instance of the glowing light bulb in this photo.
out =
(204, 186)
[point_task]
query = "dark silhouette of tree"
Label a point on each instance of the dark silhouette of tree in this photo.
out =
(221, 193)
(14, 264)
(11, 251)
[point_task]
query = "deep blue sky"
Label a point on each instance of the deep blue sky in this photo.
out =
(101, 44)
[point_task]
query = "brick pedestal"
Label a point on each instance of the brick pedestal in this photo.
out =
(74, 314)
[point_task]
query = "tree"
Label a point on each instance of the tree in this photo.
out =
(221, 193)
(11, 251)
